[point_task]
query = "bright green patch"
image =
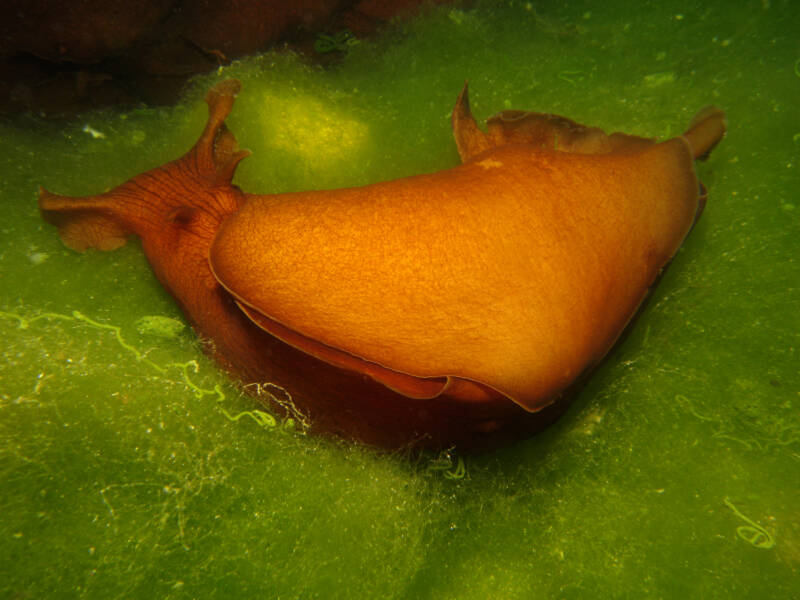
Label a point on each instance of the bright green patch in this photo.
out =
(158, 326)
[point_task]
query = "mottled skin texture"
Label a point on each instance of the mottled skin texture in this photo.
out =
(456, 308)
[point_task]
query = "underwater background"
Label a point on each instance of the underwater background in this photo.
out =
(130, 466)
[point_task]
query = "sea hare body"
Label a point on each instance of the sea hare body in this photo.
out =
(458, 307)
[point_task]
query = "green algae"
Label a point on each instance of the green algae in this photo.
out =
(159, 326)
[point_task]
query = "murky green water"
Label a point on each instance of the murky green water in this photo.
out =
(676, 474)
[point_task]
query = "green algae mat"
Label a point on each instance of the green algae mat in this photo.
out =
(130, 466)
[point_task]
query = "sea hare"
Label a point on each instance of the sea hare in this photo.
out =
(454, 308)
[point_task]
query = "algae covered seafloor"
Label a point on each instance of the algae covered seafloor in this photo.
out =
(130, 467)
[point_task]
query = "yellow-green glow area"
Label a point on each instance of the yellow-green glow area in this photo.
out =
(132, 467)
(311, 130)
